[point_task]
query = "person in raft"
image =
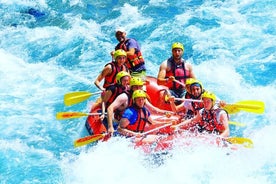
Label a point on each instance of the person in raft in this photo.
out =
(112, 91)
(211, 118)
(174, 71)
(135, 117)
(124, 100)
(192, 106)
(111, 69)
(135, 61)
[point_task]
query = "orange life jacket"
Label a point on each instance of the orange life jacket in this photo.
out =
(133, 61)
(111, 78)
(140, 122)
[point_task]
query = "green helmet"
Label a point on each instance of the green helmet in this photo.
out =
(210, 95)
(119, 52)
(139, 93)
(120, 75)
(136, 81)
(178, 45)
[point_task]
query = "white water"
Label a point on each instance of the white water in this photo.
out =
(230, 44)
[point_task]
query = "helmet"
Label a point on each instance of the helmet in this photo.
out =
(120, 75)
(139, 93)
(189, 81)
(210, 95)
(196, 82)
(177, 45)
(119, 52)
(136, 81)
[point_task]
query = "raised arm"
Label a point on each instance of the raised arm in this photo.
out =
(106, 71)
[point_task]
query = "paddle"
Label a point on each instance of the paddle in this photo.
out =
(183, 99)
(155, 129)
(70, 115)
(92, 138)
(248, 143)
(77, 97)
(252, 106)
(178, 82)
(236, 123)
(88, 139)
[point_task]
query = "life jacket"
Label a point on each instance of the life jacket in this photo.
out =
(111, 78)
(179, 72)
(209, 122)
(188, 95)
(133, 61)
(116, 90)
(118, 113)
(140, 122)
(197, 106)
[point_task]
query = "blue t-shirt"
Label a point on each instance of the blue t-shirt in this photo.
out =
(132, 43)
(131, 114)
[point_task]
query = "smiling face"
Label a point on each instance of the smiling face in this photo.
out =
(125, 81)
(120, 36)
(121, 60)
(196, 91)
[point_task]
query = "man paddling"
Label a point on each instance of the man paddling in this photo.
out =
(174, 71)
(135, 117)
(211, 119)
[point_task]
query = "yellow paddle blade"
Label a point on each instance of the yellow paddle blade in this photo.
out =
(69, 115)
(87, 140)
(231, 109)
(76, 97)
(236, 123)
(252, 106)
(248, 143)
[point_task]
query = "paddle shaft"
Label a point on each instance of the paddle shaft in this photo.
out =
(180, 83)
(69, 115)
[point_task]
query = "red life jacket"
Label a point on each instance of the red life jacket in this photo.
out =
(209, 122)
(179, 72)
(133, 61)
(197, 106)
(140, 122)
(111, 78)
(116, 90)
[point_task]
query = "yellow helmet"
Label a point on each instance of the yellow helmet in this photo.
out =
(197, 82)
(189, 81)
(177, 45)
(119, 52)
(120, 75)
(139, 93)
(136, 81)
(210, 95)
